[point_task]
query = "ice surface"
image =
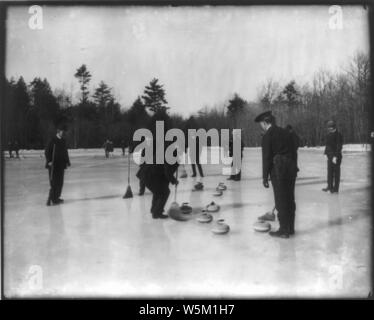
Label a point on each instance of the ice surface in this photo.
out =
(98, 244)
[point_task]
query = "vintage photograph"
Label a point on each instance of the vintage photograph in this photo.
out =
(186, 151)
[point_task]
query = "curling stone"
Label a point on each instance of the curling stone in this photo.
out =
(221, 187)
(175, 213)
(198, 186)
(262, 226)
(221, 227)
(174, 207)
(212, 207)
(204, 217)
(218, 193)
(185, 208)
(268, 216)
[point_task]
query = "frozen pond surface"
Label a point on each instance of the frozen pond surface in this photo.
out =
(98, 244)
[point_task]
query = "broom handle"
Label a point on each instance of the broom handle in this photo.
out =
(128, 170)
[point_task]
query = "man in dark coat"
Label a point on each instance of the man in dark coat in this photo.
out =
(123, 146)
(157, 177)
(57, 160)
(270, 216)
(278, 163)
(333, 151)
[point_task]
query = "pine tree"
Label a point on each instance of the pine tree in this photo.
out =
(235, 107)
(137, 114)
(46, 107)
(21, 108)
(84, 77)
(291, 94)
(154, 97)
(102, 95)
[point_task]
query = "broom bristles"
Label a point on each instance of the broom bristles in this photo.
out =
(128, 193)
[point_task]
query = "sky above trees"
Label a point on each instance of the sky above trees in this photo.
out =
(202, 55)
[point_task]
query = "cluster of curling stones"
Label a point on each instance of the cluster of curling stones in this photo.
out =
(220, 226)
(183, 212)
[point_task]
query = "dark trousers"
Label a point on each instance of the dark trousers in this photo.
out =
(293, 206)
(161, 194)
(236, 177)
(193, 165)
(285, 202)
(283, 178)
(56, 182)
(141, 186)
(333, 173)
(199, 168)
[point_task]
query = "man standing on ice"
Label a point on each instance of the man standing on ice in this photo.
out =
(57, 160)
(158, 176)
(270, 216)
(278, 163)
(333, 151)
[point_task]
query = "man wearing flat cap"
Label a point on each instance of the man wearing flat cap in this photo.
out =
(57, 160)
(333, 151)
(279, 164)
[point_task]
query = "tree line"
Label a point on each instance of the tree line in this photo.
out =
(31, 109)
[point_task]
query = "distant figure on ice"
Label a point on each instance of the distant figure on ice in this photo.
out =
(333, 151)
(108, 147)
(57, 160)
(238, 175)
(278, 163)
(123, 147)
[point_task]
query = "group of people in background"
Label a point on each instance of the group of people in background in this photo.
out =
(279, 165)
(13, 146)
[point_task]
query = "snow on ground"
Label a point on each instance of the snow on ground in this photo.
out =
(98, 244)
